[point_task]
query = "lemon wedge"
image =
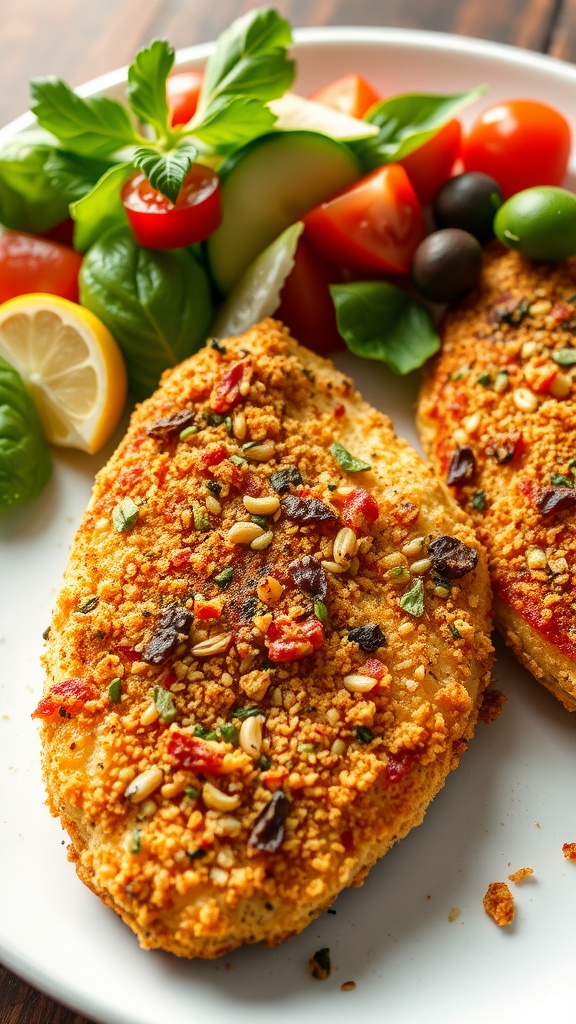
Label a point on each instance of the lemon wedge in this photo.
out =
(71, 365)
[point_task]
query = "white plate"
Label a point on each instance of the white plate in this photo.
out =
(509, 805)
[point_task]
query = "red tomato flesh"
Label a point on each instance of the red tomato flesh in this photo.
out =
(374, 226)
(31, 264)
(158, 223)
(431, 165)
(520, 143)
(306, 306)
(351, 95)
(182, 93)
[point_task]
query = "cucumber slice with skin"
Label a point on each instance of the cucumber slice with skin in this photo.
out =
(267, 186)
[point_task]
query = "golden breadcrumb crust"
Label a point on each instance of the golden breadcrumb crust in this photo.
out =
(198, 679)
(500, 400)
(499, 903)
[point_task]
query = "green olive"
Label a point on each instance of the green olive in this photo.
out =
(539, 223)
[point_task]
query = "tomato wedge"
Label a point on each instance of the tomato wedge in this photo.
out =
(32, 264)
(431, 165)
(158, 223)
(182, 93)
(374, 226)
(306, 306)
(351, 95)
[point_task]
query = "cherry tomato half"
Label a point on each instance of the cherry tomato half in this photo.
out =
(351, 95)
(430, 166)
(306, 306)
(520, 143)
(31, 264)
(374, 226)
(182, 93)
(159, 224)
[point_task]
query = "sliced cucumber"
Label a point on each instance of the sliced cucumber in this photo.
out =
(267, 186)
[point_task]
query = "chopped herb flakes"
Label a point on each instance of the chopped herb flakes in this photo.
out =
(556, 479)
(320, 965)
(188, 432)
(346, 460)
(264, 762)
(197, 854)
(479, 500)
(224, 578)
(191, 792)
(364, 735)
(484, 379)
(249, 712)
(455, 633)
(124, 515)
(321, 611)
(89, 605)
(229, 733)
(164, 704)
(413, 600)
(115, 690)
(136, 841)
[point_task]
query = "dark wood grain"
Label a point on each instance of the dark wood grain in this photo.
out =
(77, 40)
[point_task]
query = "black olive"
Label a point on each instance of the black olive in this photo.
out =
(446, 265)
(468, 201)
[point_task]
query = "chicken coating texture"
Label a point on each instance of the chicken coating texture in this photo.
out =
(496, 416)
(262, 664)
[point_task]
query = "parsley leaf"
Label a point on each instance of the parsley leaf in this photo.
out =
(346, 460)
(166, 171)
(92, 126)
(413, 600)
(146, 89)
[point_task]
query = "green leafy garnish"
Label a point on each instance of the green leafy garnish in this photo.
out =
(248, 68)
(136, 841)
(29, 199)
(455, 632)
(229, 732)
(479, 500)
(377, 320)
(413, 600)
(124, 515)
(72, 176)
(115, 691)
(25, 463)
(406, 122)
(364, 734)
(346, 460)
(101, 208)
(559, 480)
(249, 712)
(321, 611)
(224, 578)
(164, 703)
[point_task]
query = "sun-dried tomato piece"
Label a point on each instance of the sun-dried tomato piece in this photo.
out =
(170, 426)
(193, 754)
(359, 509)
(555, 499)
(204, 610)
(374, 668)
(174, 624)
(288, 640)
(64, 699)
(306, 510)
(268, 830)
(309, 576)
(213, 456)
(462, 466)
(226, 391)
(451, 558)
(398, 765)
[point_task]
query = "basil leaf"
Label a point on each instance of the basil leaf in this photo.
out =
(250, 58)
(232, 121)
(406, 122)
(101, 208)
(91, 126)
(124, 515)
(25, 463)
(380, 321)
(156, 303)
(346, 460)
(73, 176)
(29, 200)
(166, 171)
(146, 89)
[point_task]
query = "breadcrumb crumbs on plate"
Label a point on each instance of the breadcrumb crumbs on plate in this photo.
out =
(492, 703)
(348, 986)
(569, 851)
(499, 903)
(454, 914)
(520, 875)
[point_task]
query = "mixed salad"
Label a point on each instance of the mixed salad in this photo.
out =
(132, 231)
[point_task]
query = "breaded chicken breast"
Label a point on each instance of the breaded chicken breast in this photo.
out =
(497, 416)
(268, 652)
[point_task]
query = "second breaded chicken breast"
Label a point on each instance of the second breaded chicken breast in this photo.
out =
(268, 652)
(497, 416)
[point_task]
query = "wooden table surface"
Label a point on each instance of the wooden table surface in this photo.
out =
(78, 40)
